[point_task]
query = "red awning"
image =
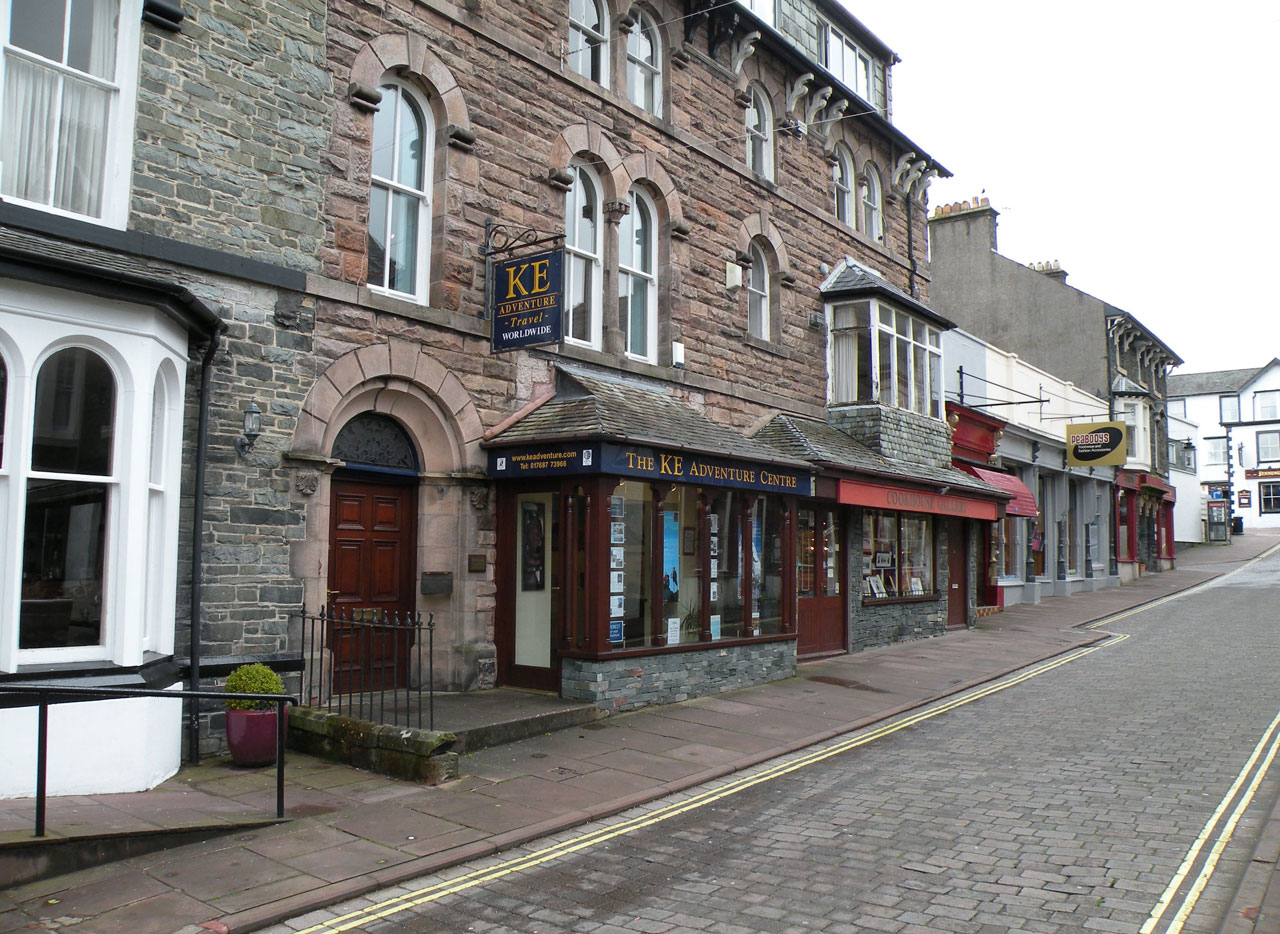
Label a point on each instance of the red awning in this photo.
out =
(1023, 502)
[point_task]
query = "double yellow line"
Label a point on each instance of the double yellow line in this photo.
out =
(438, 890)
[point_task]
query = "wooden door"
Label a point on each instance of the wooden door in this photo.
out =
(957, 574)
(534, 572)
(371, 548)
(819, 571)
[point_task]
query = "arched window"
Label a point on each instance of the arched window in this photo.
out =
(399, 197)
(759, 122)
(872, 211)
(843, 175)
(583, 257)
(4, 396)
(157, 524)
(758, 323)
(644, 66)
(68, 495)
(638, 277)
(589, 40)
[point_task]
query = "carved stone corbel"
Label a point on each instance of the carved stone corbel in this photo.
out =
(363, 98)
(817, 100)
(615, 211)
(743, 48)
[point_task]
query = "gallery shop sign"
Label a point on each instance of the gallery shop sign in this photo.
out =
(875, 496)
(1096, 444)
(528, 300)
(651, 463)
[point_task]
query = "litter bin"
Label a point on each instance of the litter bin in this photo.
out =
(1237, 525)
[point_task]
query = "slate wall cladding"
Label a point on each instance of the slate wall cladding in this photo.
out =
(233, 118)
(896, 433)
(628, 683)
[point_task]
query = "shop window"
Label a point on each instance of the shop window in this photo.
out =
(631, 506)
(1123, 507)
(68, 74)
(758, 312)
(872, 204)
(638, 278)
(897, 556)
(681, 576)
(759, 122)
(1009, 546)
(644, 66)
(766, 565)
(68, 497)
(583, 258)
(842, 172)
(1269, 497)
(724, 546)
(399, 195)
(588, 40)
(817, 554)
(1268, 446)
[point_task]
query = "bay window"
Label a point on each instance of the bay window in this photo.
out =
(877, 353)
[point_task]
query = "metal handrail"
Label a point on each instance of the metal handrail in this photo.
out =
(45, 691)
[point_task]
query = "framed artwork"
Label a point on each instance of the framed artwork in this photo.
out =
(688, 542)
(877, 586)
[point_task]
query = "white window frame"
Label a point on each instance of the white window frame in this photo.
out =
(393, 188)
(583, 37)
(117, 153)
(138, 343)
(759, 310)
(1223, 402)
(1266, 405)
(758, 121)
(852, 65)
(898, 330)
(871, 204)
(761, 8)
(842, 173)
(638, 269)
(645, 73)
(1268, 447)
(589, 255)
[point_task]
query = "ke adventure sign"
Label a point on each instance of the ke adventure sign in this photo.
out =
(1097, 444)
(528, 300)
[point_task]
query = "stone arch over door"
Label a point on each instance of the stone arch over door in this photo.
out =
(400, 380)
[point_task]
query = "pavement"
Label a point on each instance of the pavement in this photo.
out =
(227, 866)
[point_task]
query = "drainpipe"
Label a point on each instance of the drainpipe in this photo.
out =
(197, 538)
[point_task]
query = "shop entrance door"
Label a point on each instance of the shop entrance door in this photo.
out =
(820, 627)
(957, 574)
(526, 651)
(371, 547)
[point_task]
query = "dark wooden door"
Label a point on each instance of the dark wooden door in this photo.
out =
(819, 571)
(371, 548)
(957, 574)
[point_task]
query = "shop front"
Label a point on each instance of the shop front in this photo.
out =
(1144, 523)
(633, 573)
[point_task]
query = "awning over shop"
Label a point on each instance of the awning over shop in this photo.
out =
(1023, 502)
(856, 493)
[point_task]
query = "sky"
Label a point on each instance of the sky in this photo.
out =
(1131, 141)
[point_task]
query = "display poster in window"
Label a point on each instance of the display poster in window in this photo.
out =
(615, 630)
(532, 546)
(617, 557)
(1097, 444)
(617, 605)
(617, 532)
(671, 556)
(616, 582)
(527, 295)
(673, 630)
(715, 625)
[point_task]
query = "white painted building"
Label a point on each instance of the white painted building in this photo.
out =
(1189, 510)
(1237, 439)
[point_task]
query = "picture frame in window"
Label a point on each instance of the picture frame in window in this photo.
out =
(688, 541)
(877, 586)
(884, 559)
(917, 588)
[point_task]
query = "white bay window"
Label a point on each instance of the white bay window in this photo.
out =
(878, 353)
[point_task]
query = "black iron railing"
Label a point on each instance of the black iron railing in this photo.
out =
(44, 694)
(370, 664)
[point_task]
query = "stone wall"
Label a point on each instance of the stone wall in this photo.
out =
(896, 433)
(629, 683)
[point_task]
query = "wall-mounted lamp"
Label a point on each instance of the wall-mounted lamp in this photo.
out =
(252, 429)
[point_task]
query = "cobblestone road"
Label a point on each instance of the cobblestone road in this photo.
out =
(1065, 803)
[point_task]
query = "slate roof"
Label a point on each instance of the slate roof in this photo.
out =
(588, 406)
(1213, 383)
(853, 279)
(821, 443)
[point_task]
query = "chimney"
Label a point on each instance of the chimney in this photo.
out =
(1050, 269)
(978, 216)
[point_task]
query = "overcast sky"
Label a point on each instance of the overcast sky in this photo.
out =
(1134, 142)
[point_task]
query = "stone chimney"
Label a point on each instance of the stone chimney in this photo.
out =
(1050, 269)
(977, 216)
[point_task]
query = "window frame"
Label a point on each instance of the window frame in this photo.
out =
(842, 171)
(759, 133)
(871, 204)
(117, 152)
(392, 187)
(889, 324)
(630, 272)
(763, 9)
(1268, 497)
(758, 286)
(582, 36)
(593, 259)
(650, 71)
(1211, 452)
(871, 568)
(1222, 407)
(1273, 446)
(1266, 405)
(868, 80)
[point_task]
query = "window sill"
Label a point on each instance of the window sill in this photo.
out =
(911, 598)
(640, 652)
(769, 347)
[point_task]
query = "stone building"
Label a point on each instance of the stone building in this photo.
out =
(247, 355)
(1098, 348)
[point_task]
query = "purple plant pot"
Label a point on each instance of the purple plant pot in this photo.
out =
(251, 736)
